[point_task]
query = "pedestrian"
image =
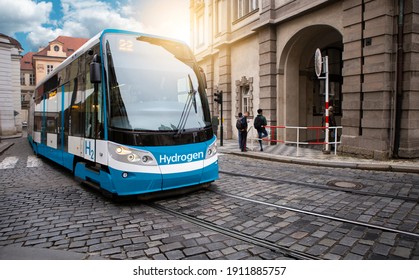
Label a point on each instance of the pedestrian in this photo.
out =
(260, 123)
(332, 125)
(239, 126)
(243, 132)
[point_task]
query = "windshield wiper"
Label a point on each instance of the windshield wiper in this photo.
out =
(190, 101)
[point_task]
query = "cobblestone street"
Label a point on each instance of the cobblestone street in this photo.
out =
(257, 210)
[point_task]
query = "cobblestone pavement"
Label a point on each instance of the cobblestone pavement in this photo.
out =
(42, 206)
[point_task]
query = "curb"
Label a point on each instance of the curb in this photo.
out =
(31, 253)
(323, 163)
(4, 146)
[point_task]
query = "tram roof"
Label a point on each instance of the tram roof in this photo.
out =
(92, 42)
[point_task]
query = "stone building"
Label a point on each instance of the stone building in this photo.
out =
(10, 120)
(260, 53)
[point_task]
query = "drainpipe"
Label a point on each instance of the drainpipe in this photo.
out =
(399, 80)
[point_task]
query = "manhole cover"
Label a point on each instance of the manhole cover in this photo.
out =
(345, 184)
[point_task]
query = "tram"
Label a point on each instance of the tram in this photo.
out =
(127, 113)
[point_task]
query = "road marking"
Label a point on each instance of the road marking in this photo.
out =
(33, 161)
(9, 162)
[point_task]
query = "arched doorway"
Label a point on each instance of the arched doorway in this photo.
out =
(300, 94)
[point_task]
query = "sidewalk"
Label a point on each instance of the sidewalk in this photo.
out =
(4, 146)
(288, 154)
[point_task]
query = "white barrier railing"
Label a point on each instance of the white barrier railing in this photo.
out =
(273, 136)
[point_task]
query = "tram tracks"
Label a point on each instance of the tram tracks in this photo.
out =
(194, 215)
(393, 186)
(316, 214)
(287, 252)
(324, 187)
(317, 186)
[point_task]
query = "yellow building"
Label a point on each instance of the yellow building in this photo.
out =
(52, 55)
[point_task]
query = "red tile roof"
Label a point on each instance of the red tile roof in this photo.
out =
(26, 61)
(70, 45)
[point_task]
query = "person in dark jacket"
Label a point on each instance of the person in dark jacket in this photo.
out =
(260, 123)
(238, 126)
(243, 132)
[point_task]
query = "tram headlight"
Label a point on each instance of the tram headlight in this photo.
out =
(212, 150)
(121, 150)
(129, 155)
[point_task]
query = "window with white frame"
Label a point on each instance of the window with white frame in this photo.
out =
(220, 16)
(200, 30)
(22, 79)
(244, 95)
(244, 7)
(50, 68)
(32, 79)
(245, 99)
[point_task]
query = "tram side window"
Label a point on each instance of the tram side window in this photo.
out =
(37, 124)
(67, 113)
(94, 117)
(52, 112)
(77, 108)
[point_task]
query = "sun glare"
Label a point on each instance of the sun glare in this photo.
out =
(174, 22)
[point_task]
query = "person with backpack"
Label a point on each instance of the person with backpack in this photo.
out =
(239, 127)
(260, 123)
(242, 128)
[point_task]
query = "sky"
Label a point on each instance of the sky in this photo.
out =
(34, 23)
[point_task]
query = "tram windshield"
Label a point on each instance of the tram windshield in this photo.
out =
(153, 85)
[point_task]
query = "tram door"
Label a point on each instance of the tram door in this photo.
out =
(53, 125)
(74, 118)
(90, 124)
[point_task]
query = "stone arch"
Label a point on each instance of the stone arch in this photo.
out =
(296, 76)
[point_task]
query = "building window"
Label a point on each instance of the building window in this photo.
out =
(246, 101)
(244, 95)
(56, 48)
(220, 16)
(22, 79)
(201, 30)
(32, 79)
(49, 68)
(244, 7)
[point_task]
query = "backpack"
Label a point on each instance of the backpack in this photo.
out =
(259, 121)
(239, 124)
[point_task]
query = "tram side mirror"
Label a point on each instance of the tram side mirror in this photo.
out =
(95, 73)
(204, 77)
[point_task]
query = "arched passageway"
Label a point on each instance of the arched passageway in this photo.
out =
(300, 99)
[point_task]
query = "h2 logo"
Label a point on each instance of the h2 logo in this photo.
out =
(89, 149)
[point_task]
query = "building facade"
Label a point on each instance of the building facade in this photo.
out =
(260, 53)
(27, 83)
(52, 55)
(10, 119)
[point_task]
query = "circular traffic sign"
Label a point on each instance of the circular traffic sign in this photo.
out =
(318, 62)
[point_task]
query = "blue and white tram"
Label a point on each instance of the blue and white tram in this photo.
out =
(127, 112)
